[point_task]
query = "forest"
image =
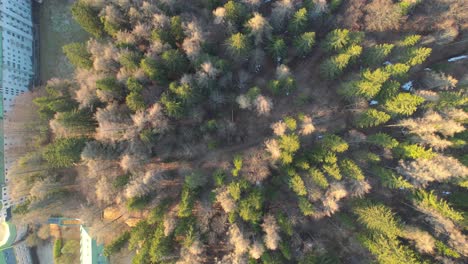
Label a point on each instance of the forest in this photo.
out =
(255, 131)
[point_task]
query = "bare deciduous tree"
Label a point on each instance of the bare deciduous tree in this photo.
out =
(271, 229)
(440, 168)
(259, 28)
(263, 105)
(238, 240)
(256, 249)
(225, 199)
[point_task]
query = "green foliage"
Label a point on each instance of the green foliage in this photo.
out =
(187, 200)
(318, 178)
(451, 100)
(117, 244)
(351, 169)
(322, 258)
(288, 144)
(334, 143)
(135, 101)
(403, 104)
(306, 207)
(371, 118)
(195, 180)
(64, 152)
(250, 208)
(297, 185)
(389, 251)
(278, 49)
(336, 40)
(431, 201)
(142, 256)
(110, 84)
(322, 155)
(156, 215)
(22, 208)
(291, 123)
(109, 27)
(219, 176)
(333, 171)
(138, 203)
(445, 250)
(375, 55)
(285, 249)
(160, 245)
(282, 86)
(398, 70)
(57, 99)
(299, 21)
(153, 69)
(130, 61)
(57, 248)
(379, 219)
(238, 45)
(285, 224)
(391, 180)
(235, 188)
(383, 140)
(138, 233)
(235, 12)
(333, 67)
(304, 43)
(78, 120)
(335, 4)
(121, 181)
(177, 29)
(389, 90)
(78, 55)
(173, 107)
(369, 86)
(88, 18)
(237, 165)
(411, 40)
(175, 62)
(416, 56)
(413, 151)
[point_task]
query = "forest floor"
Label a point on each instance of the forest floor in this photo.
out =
(57, 28)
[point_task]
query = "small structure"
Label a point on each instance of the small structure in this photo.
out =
(90, 251)
(407, 86)
(463, 57)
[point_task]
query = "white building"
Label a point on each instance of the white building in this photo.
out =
(16, 74)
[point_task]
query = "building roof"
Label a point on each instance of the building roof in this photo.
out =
(90, 251)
